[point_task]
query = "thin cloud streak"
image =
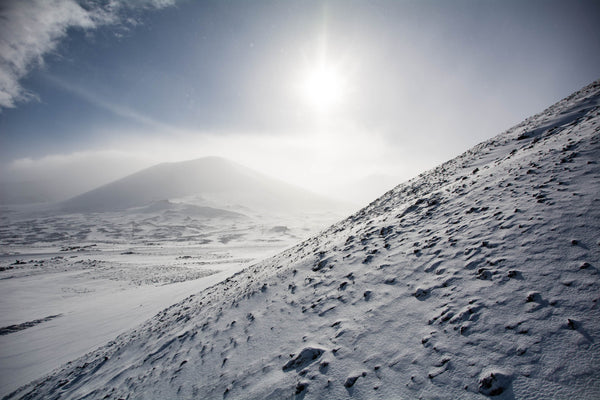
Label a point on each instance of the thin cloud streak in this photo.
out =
(119, 110)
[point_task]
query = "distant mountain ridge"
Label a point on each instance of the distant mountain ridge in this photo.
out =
(209, 181)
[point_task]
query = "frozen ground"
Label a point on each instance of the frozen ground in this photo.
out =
(478, 279)
(70, 283)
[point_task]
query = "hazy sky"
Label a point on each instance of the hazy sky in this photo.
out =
(319, 93)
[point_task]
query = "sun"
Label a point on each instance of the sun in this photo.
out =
(323, 87)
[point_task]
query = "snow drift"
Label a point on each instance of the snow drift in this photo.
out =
(476, 279)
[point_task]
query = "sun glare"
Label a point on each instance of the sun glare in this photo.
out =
(323, 87)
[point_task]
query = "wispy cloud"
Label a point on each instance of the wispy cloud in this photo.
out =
(30, 29)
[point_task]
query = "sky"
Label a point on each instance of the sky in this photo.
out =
(345, 98)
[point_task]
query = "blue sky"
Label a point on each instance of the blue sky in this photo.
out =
(94, 90)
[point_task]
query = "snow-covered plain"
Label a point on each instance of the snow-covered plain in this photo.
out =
(70, 283)
(476, 279)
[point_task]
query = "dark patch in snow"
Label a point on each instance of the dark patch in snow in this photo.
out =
(421, 294)
(494, 383)
(306, 357)
(351, 380)
(19, 327)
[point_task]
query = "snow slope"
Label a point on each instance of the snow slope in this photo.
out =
(476, 279)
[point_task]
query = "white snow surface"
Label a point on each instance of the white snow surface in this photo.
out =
(476, 279)
(72, 282)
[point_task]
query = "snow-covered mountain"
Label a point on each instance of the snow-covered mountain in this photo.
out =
(476, 279)
(209, 181)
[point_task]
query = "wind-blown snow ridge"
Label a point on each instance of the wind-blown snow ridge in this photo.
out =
(476, 279)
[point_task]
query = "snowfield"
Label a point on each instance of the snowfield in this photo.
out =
(70, 283)
(478, 279)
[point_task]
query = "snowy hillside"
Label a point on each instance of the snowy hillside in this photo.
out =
(209, 181)
(476, 279)
(72, 282)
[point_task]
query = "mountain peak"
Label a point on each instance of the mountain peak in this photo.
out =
(221, 181)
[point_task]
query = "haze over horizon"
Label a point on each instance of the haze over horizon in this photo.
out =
(326, 95)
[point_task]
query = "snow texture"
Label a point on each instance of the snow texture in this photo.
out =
(72, 282)
(477, 279)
